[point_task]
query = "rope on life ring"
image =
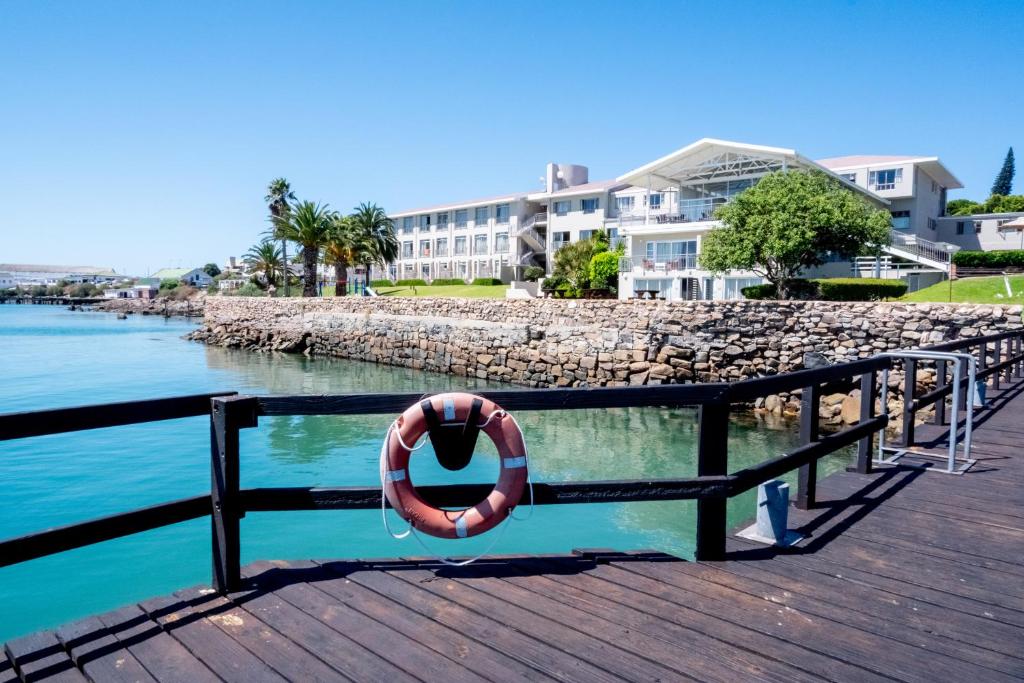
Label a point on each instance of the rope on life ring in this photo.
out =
(497, 509)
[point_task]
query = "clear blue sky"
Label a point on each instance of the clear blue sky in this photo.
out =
(142, 134)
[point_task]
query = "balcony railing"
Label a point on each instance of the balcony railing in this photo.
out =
(689, 211)
(643, 264)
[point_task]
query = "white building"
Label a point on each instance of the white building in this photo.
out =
(661, 211)
(32, 275)
(197, 277)
(984, 232)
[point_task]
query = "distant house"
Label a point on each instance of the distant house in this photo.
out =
(196, 277)
(231, 283)
(7, 281)
(31, 275)
(139, 291)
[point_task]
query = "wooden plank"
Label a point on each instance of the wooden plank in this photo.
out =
(99, 654)
(40, 656)
(719, 660)
(229, 414)
(60, 420)
(337, 651)
(579, 641)
(59, 539)
(712, 461)
(826, 636)
(227, 658)
(273, 647)
(164, 657)
(816, 603)
(528, 648)
(483, 660)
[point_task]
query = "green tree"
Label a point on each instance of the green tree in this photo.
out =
(378, 234)
(789, 221)
(308, 224)
(211, 269)
(1003, 184)
(962, 207)
(279, 198)
(345, 245)
(572, 261)
(998, 203)
(267, 258)
(604, 270)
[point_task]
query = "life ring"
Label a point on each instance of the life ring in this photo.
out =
(495, 508)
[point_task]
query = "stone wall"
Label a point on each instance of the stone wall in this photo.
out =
(547, 342)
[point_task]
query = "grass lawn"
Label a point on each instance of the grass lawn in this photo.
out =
(974, 290)
(462, 291)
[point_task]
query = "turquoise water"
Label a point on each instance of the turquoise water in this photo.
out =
(50, 357)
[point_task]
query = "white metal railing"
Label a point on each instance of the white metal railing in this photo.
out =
(534, 219)
(628, 264)
(688, 211)
(918, 246)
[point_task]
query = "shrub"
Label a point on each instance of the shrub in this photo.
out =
(381, 283)
(989, 259)
(860, 289)
(486, 281)
(533, 273)
(168, 284)
(412, 282)
(604, 270)
(447, 281)
(554, 282)
(248, 289)
(834, 289)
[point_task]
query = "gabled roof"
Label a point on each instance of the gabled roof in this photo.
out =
(168, 273)
(711, 160)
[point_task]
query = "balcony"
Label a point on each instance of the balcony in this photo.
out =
(641, 265)
(689, 211)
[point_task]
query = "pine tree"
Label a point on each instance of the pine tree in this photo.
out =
(1004, 181)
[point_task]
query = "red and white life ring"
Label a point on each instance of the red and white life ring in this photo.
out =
(488, 513)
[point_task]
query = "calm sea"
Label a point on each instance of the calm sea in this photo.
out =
(51, 357)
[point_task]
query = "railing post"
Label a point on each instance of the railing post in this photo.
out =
(712, 460)
(1008, 371)
(997, 349)
(228, 415)
(909, 387)
(868, 395)
(1019, 365)
(940, 382)
(807, 479)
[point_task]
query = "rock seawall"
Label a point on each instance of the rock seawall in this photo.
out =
(187, 308)
(543, 343)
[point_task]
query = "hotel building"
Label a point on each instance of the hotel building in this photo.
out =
(661, 211)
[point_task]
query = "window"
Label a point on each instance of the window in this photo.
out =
(461, 218)
(562, 207)
(392, 271)
(589, 205)
(501, 243)
(900, 220)
(424, 248)
(442, 220)
(442, 246)
(425, 222)
(407, 224)
(885, 179)
(624, 204)
(480, 244)
(852, 177)
(654, 201)
(734, 286)
(586, 235)
(460, 246)
(977, 227)
(425, 271)
(559, 240)
(406, 249)
(461, 267)
(501, 214)
(613, 238)
(959, 227)
(480, 216)
(407, 269)
(676, 254)
(663, 287)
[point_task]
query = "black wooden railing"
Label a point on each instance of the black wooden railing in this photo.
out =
(229, 413)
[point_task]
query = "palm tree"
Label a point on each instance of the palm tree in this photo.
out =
(265, 257)
(308, 224)
(278, 198)
(344, 247)
(378, 233)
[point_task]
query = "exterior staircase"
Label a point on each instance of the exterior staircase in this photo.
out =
(932, 255)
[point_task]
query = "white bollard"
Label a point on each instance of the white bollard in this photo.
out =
(772, 516)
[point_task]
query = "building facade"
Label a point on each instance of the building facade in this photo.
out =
(659, 212)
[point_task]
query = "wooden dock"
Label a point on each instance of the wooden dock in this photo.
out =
(904, 575)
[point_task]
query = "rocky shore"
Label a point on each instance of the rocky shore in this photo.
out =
(193, 307)
(545, 343)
